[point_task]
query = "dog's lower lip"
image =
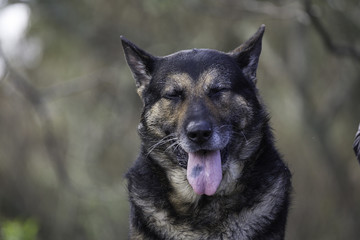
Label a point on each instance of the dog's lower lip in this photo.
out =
(204, 151)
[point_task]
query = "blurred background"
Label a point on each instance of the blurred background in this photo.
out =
(69, 109)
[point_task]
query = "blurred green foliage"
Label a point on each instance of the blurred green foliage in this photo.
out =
(69, 109)
(19, 230)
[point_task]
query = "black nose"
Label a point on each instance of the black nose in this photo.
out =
(199, 131)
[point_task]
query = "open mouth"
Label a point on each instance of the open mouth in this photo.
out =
(204, 171)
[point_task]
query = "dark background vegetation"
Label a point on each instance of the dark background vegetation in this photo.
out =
(69, 109)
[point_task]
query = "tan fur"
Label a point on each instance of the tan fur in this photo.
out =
(183, 196)
(238, 224)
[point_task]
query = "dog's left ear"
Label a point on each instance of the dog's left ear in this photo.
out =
(141, 64)
(247, 54)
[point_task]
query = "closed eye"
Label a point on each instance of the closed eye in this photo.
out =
(174, 95)
(217, 91)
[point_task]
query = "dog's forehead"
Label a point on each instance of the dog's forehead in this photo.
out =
(205, 78)
(197, 64)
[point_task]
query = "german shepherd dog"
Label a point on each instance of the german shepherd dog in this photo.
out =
(208, 167)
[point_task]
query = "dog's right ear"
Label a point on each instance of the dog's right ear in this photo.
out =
(247, 55)
(141, 64)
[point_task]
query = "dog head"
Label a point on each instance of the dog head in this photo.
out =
(201, 108)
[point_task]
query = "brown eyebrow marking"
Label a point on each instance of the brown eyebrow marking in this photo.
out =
(178, 80)
(207, 77)
(212, 78)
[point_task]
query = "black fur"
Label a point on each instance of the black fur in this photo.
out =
(356, 145)
(252, 199)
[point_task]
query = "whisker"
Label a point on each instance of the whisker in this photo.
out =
(164, 140)
(244, 136)
(225, 126)
(161, 142)
(172, 145)
(241, 134)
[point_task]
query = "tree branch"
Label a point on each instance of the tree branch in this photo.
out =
(337, 49)
(286, 11)
(54, 148)
(74, 86)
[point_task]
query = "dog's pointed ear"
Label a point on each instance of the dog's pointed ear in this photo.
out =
(141, 64)
(247, 54)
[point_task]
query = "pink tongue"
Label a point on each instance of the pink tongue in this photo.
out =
(204, 171)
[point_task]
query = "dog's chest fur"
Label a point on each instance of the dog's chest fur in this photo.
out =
(165, 207)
